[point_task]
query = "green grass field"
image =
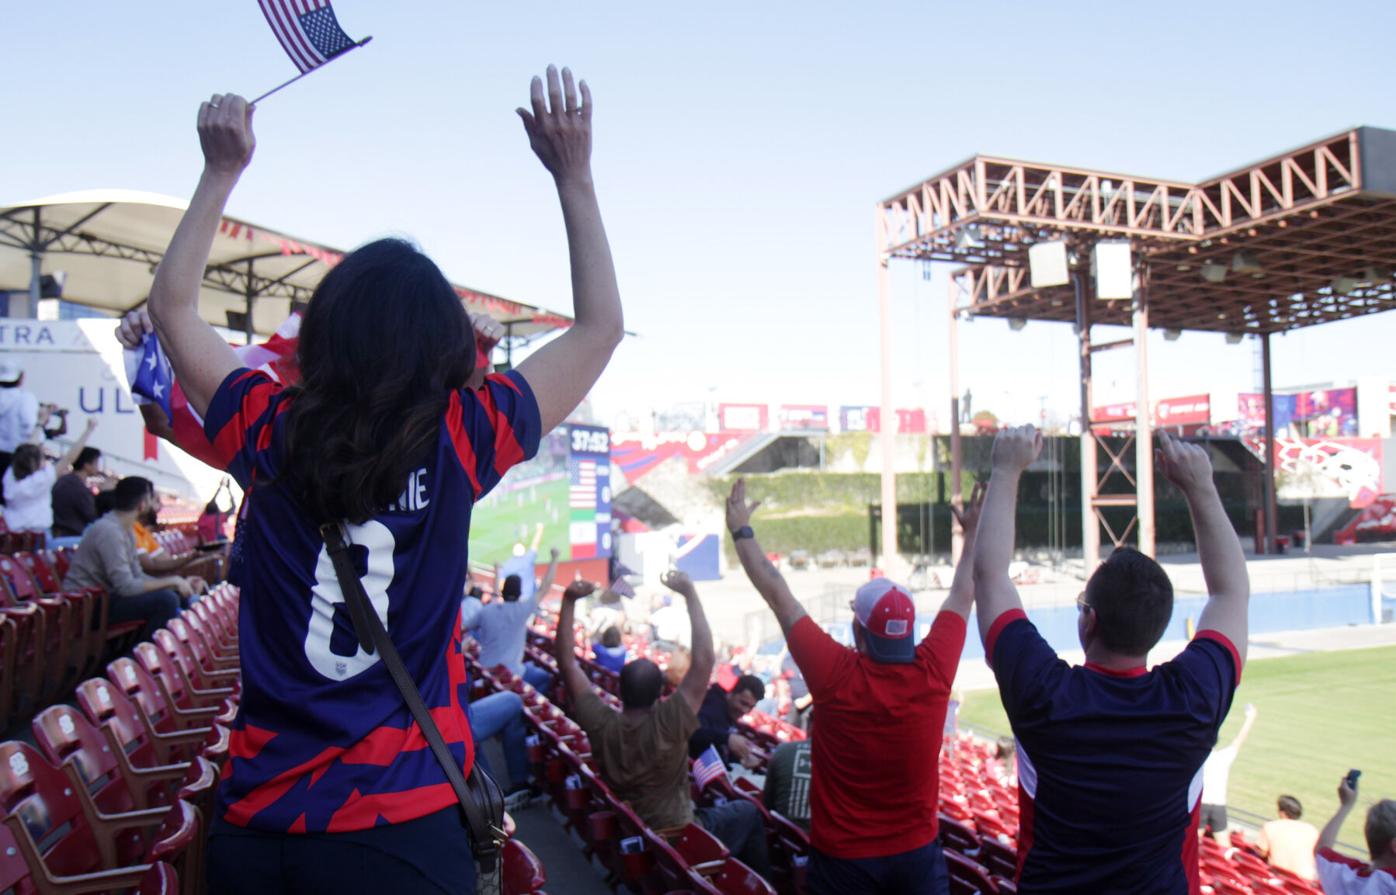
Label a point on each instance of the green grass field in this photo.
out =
(502, 519)
(1319, 714)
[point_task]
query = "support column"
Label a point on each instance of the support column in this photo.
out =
(957, 534)
(888, 433)
(1268, 483)
(1090, 527)
(36, 268)
(251, 297)
(1143, 426)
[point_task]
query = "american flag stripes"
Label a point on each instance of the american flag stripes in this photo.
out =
(708, 767)
(308, 31)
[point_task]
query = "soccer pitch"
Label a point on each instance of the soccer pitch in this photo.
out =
(1319, 714)
(503, 519)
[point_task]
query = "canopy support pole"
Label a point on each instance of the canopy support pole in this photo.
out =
(1268, 482)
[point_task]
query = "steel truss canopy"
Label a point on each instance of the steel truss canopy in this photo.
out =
(108, 243)
(1304, 238)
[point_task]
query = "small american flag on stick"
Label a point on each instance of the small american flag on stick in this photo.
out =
(308, 32)
(708, 767)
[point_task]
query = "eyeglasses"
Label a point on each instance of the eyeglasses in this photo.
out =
(1081, 603)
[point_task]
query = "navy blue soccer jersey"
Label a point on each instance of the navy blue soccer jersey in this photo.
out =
(323, 740)
(1110, 762)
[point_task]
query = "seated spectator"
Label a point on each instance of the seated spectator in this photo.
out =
(502, 715)
(642, 750)
(502, 627)
(788, 782)
(607, 611)
(1003, 765)
(1109, 751)
(1288, 843)
(1215, 773)
(74, 507)
(28, 485)
(610, 651)
(1341, 875)
(718, 717)
(155, 559)
(874, 805)
(107, 558)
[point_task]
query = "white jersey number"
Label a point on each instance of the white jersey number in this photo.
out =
(326, 595)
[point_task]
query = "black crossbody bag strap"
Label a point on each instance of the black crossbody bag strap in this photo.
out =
(486, 820)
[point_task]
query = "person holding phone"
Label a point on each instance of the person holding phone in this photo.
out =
(1342, 875)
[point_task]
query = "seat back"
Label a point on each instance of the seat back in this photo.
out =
(62, 559)
(40, 795)
(40, 571)
(523, 872)
(22, 584)
(133, 679)
(66, 737)
(112, 711)
(967, 877)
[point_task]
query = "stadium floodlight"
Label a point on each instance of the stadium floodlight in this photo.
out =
(1017, 323)
(1047, 264)
(1172, 335)
(969, 238)
(1234, 338)
(1213, 272)
(1113, 269)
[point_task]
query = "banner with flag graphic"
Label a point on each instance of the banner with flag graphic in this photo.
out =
(308, 31)
(708, 767)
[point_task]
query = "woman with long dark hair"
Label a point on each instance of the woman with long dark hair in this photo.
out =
(330, 786)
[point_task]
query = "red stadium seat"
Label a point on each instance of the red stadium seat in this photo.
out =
(700, 849)
(180, 732)
(958, 836)
(523, 872)
(998, 858)
(967, 877)
(28, 624)
(62, 632)
(735, 878)
(205, 687)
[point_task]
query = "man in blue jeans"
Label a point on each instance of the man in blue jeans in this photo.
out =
(501, 715)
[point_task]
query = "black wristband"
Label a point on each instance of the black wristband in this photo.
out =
(743, 532)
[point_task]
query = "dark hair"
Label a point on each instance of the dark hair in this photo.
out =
(28, 459)
(105, 501)
(1289, 806)
(211, 508)
(476, 591)
(384, 342)
(513, 587)
(85, 456)
(129, 492)
(611, 637)
(640, 684)
(1133, 601)
(1380, 827)
(751, 684)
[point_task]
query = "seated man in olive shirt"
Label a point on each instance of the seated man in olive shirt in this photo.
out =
(642, 751)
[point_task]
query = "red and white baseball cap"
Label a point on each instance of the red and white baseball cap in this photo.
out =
(887, 615)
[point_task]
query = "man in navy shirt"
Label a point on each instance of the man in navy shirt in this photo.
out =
(1110, 754)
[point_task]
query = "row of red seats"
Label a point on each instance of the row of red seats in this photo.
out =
(118, 789)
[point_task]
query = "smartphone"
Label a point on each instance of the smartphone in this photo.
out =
(1352, 779)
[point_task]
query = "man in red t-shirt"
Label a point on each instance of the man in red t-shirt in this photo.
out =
(879, 712)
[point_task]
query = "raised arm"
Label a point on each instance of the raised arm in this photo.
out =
(563, 646)
(1245, 728)
(1188, 467)
(199, 356)
(1347, 798)
(994, 593)
(65, 464)
(759, 571)
(563, 371)
(545, 584)
(694, 685)
(961, 596)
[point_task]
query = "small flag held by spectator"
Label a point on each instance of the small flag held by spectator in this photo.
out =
(154, 380)
(308, 31)
(708, 767)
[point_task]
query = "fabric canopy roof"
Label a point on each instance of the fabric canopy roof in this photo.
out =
(107, 243)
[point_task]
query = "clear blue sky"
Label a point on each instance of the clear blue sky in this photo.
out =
(740, 149)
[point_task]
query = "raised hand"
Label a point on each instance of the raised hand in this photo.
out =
(968, 516)
(738, 510)
(1187, 466)
(559, 127)
(225, 133)
(679, 583)
(135, 326)
(1016, 447)
(577, 589)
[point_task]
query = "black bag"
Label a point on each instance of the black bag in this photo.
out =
(480, 797)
